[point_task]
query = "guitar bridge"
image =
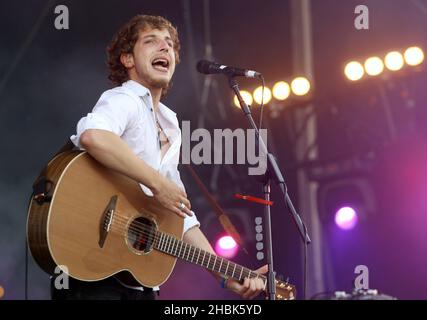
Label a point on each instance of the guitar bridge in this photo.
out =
(106, 220)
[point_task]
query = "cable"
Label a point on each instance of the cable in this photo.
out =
(305, 262)
(26, 44)
(420, 6)
(26, 257)
(262, 102)
(26, 269)
(305, 268)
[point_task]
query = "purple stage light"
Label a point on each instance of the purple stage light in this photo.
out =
(346, 218)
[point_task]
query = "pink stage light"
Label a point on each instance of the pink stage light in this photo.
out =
(346, 218)
(226, 247)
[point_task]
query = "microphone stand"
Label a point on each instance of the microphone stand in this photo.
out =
(272, 173)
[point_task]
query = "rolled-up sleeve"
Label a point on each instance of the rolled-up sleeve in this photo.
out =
(190, 222)
(113, 112)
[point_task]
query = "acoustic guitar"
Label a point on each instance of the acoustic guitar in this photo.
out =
(98, 223)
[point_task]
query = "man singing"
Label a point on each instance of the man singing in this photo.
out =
(130, 131)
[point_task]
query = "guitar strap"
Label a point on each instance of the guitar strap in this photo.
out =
(42, 187)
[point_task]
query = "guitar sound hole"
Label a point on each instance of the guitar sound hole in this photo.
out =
(141, 234)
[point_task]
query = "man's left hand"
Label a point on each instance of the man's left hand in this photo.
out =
(250, 288)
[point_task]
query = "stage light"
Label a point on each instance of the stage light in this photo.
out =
(414, 56)
(281, 90)
(374, 66)
(300, 86)
(226, 247)
(345, 201)
(346, 218)
(247, 97)
(354, 71)
(258, 95)
(394, 61)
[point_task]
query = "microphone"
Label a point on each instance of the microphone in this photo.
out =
(209, 67)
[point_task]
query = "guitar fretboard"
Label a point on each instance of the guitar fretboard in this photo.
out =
(178, 248)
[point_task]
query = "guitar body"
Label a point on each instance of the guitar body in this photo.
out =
(75, 230)
(94, 223)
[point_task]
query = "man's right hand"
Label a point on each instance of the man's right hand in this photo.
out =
(172, 197)
(110, 150)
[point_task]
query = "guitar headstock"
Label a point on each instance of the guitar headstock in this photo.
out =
(285, 291)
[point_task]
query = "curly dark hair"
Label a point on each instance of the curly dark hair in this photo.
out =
(124, 41)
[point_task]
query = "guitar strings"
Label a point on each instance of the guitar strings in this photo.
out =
(142, 230)
(122, 222)
(145, 231)
(210, 265)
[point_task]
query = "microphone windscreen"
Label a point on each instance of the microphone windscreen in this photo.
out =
(203, 66)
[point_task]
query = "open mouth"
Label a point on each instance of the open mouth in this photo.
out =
(160, 64)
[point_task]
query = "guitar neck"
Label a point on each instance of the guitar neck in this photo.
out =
(178, 248)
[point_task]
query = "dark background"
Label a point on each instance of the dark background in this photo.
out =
(50, 78)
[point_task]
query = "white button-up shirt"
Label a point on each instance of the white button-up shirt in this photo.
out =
(128, 112)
